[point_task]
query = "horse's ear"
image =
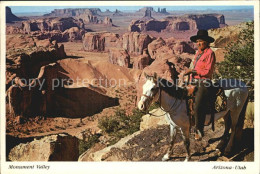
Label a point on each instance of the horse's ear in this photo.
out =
(146, 76)
(155, 76)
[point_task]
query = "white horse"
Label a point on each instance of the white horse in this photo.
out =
(172, 100)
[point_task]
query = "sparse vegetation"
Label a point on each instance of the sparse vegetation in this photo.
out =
(239, 59)
(121, 124)
(84, 145)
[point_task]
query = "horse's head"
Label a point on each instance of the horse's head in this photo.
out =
(150, 92)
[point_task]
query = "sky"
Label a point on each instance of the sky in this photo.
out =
(48, 9)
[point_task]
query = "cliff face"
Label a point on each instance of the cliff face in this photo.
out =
(60, 24)
(10, 17)
(182, 23)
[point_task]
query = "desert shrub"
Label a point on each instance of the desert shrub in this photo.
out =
(120, 124)
(239, 59)
(84, 145)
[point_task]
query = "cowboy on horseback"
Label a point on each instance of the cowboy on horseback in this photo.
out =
(201, 72)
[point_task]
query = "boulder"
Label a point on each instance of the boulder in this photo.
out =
(99, 41)
(59, 147)
(119, 57)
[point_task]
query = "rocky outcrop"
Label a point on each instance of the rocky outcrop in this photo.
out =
(55, 93)
(73, 34)
(99, 41)
(154, 46)
(13, 30)
(135, 42)
(24, 59)
(117, 13)
(88, 19)
(107, 21)
(10, 17)
(148, 145)
(119, 57)
(225, 35)
(165, 49)
(54, 35)
(182, 23)
(147, 25)
(49, 24)
(59, 147)
(73, 12)
(142, 61)
(162, 10)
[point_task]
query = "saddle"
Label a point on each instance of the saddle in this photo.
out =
(218, 102)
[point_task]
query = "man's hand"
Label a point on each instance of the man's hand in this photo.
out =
(190, 71)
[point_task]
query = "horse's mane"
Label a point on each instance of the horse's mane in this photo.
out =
(172, 89)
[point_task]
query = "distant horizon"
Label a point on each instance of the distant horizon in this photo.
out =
(48, 9)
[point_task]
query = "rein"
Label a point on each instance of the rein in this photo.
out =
(160, 97)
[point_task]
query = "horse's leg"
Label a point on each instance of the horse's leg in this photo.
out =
(186, 138)
(173, 133)
(224, 137)
(237, 117)
(234, 118)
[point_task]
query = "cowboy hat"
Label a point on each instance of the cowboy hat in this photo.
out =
(203, 35)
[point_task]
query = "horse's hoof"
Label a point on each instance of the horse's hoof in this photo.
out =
(198, 136)
(165, 157)
(217, 152)
(187, 159)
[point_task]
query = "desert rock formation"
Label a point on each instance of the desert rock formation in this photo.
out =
(135, 42)
(182, 23)
(99, 41)
(119, 57)
(10, 17)
(73, 34)
(73, 12)
(54, 92)
(142, 61)
(50, 24)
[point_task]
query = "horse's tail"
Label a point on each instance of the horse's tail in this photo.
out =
(240, 122)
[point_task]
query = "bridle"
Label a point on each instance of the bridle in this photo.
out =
(150, 98)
